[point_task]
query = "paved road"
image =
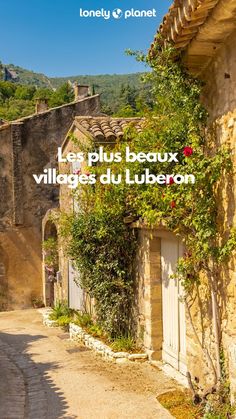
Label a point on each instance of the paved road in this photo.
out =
(45, 376)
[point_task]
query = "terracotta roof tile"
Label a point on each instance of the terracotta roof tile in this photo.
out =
(106, 128)
(183, 21)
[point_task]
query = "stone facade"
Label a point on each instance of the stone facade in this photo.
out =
(99, 130)
(28, 146)
(219, 97)
(148, 304)
(205, 34)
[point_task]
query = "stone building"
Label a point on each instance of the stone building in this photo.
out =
(204, 32)
(101, 131)
(28, 146)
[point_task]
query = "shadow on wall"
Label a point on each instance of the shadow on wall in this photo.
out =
(42, 396)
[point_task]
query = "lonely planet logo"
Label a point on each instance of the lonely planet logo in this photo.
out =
(117, 13)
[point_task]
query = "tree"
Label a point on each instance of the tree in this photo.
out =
(25, 92)
(62, 95)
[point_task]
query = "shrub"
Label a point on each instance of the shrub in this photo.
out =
(103, 249)
(64, 321)
(83, 320)
(96, 331)
(37, 302)
(123, 344)
(61, 309)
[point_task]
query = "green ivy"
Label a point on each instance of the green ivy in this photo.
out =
(104, 247)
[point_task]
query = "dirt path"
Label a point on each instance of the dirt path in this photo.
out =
(57, 378)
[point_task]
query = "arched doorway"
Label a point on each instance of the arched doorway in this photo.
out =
(3, 280)
(50, 261)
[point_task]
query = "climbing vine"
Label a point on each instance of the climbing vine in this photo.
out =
(50, 250)
(104, 247)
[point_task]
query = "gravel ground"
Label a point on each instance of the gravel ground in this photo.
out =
(44, 375)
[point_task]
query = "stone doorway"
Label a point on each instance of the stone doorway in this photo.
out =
(173, 307)
(50, 269)
(3, 281)
(161, 310)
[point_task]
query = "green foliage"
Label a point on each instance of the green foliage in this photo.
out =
(218, 404)
(63, 321)
(122, 343)
(102, 247)
(191, 211)
(25, 92)
(50, 248)
(61, 309)
(96, 331)
(64, 94)
(110, 87)
(43, 93)
(27, 77)
(133, 101)
(7, 90)
(83, 320)
(17, 101)
(121, 94)
(37, 302)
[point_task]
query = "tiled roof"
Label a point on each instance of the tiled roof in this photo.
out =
(183, 21)
(105, 128)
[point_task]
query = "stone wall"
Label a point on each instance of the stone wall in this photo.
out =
(67, 205)
(220, 77)
(225, 129)
(27, 147)
(148, 299)
(219, 97)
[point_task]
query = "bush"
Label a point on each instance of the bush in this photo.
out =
(61, 309)
(96, 331)
(64, 321)
(123, 344)
(83, 320)
(103, 249)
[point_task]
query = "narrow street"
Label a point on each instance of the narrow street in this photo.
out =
(44, 375)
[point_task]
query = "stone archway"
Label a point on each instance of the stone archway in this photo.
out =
(3, 280)
(50, 238)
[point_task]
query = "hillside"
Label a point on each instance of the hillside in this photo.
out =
(108, 84)
(29, 77)
(121, 94)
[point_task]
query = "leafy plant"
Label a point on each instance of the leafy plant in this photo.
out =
(37, 302)
(63, 321)
(96, 331)
(218, 404)
(61, 309)
(83, 320)
(50, 248)
(122, 343)
(103, 248)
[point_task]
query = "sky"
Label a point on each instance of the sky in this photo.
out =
(50, 36)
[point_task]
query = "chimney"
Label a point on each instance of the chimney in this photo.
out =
(80, 91)
(41, 105)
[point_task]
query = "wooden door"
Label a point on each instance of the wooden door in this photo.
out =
(173, 308)
(76, 293)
